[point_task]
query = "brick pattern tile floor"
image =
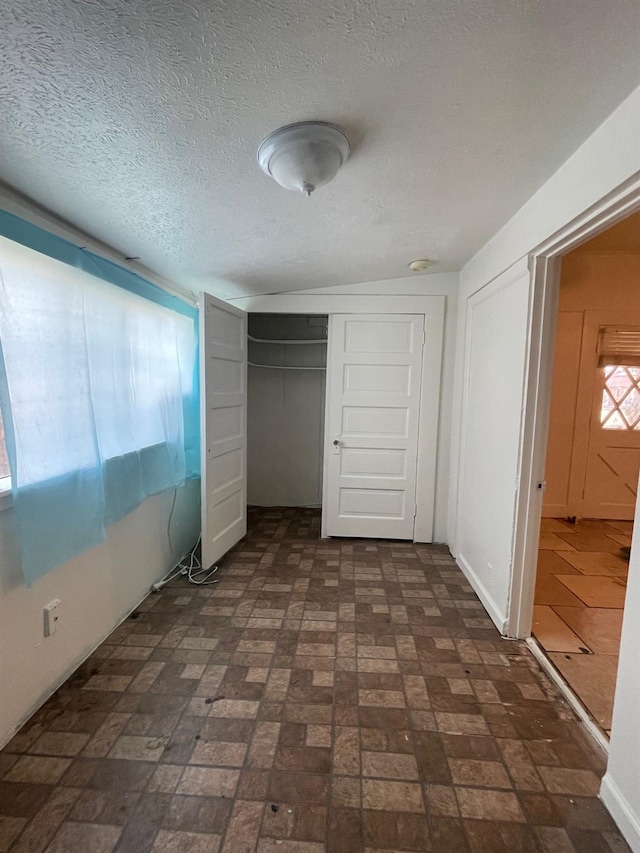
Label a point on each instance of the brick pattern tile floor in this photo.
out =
(326, 695)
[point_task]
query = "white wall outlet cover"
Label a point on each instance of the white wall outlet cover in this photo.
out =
(51, 617)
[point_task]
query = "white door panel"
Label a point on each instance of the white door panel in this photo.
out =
(392, 422)
(605, 461)
(611, 482)
(376, 503)
(392, 336)
(365, 462)
(223, 384)
(613, 454)
(375, 367)
(377, 378)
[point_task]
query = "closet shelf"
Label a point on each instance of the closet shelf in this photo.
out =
(273, 341)
(283, 366)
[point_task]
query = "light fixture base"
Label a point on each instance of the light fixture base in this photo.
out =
(420, 265)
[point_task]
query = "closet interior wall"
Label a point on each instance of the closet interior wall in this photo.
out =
(286, 404)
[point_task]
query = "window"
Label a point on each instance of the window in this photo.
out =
(620, 408)
(619, 357)
(98, 384)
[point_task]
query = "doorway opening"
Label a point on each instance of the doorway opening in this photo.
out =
(286, 392)
(592, 466)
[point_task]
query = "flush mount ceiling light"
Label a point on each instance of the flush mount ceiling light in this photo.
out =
(421, 265)
(303, 156)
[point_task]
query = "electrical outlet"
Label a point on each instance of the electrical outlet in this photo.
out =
(51, 617)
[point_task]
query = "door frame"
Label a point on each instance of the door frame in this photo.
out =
(544, 267)
(433, 309)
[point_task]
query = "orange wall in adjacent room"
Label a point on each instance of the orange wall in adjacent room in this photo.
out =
(590, 281)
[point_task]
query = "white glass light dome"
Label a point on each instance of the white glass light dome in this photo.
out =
(303, 156)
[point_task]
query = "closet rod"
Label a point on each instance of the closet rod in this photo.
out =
(272, 341)
(283, 366)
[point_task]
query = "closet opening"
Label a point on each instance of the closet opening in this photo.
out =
(286, 393)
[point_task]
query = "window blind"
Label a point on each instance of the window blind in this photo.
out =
(619, 345)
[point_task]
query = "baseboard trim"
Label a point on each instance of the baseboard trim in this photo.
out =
(621, 812)
(579, 709)
(497, 616)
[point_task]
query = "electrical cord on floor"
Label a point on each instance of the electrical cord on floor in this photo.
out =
(194, 569)
(191, 567)
(173, 506)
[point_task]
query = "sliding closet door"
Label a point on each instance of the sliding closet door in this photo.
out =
(223, 407)
(375, 369)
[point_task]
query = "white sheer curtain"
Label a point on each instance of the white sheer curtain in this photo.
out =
(93, 394)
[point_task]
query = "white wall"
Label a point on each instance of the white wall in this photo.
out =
(605, 167)
(285, 432)
(97, 588)
(620, 786)
(285, 414)
(606, 161)
(496, 322)
(442, 284)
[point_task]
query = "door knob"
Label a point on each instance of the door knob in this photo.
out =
(336, 442)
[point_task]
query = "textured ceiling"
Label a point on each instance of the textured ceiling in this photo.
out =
(138, 122)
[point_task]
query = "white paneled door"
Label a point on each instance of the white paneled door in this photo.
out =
(613, 454)
(613, 457)
(375, 367)
(223, 384)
